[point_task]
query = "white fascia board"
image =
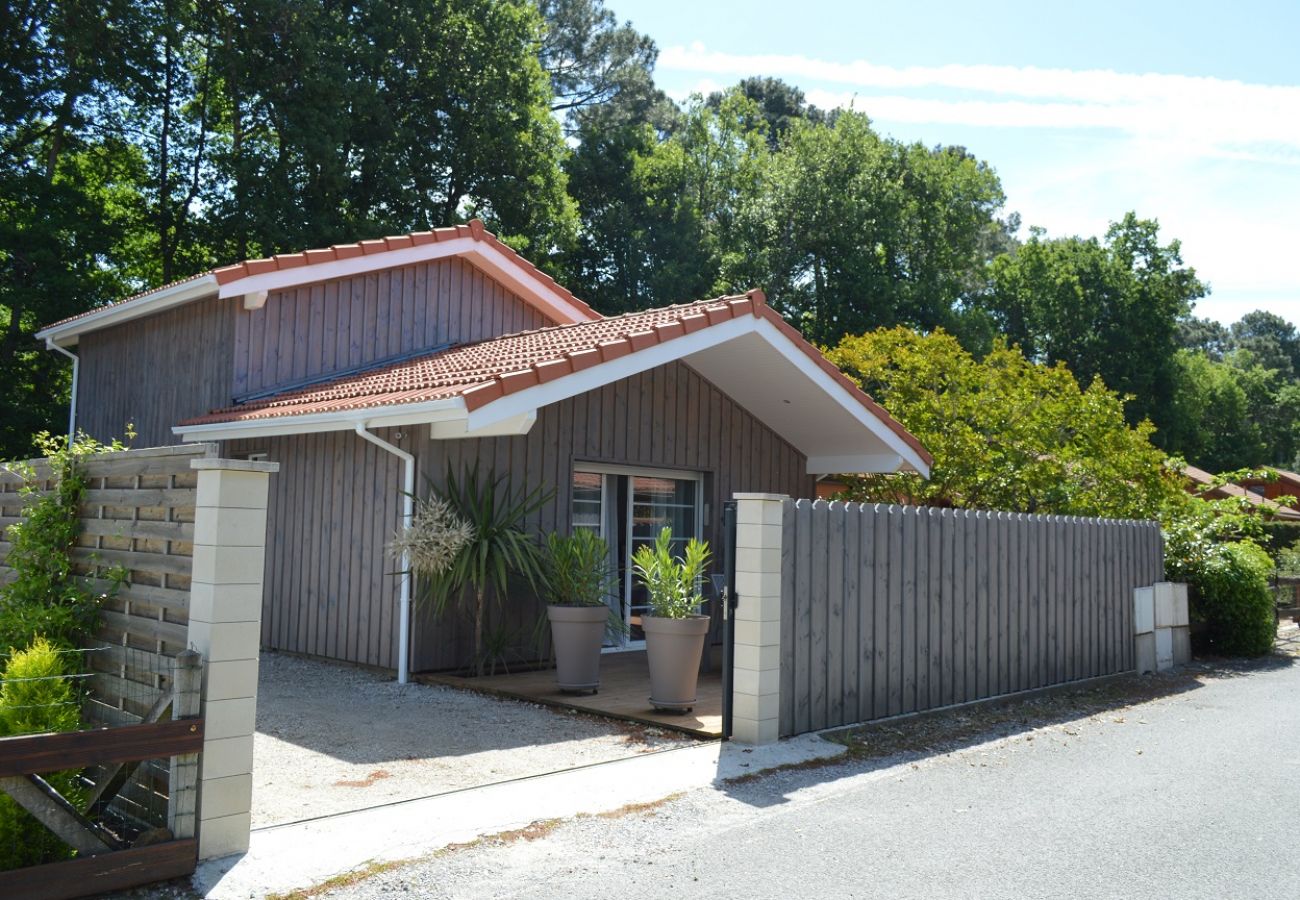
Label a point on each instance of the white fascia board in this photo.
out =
(521, 281)
(484, 255)
(279, 279)
(447, 410)
(537, 396)
(855, 465)
(456, 429)
(832, 387)
(67, 334)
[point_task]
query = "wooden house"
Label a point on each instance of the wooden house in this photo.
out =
(368, 367)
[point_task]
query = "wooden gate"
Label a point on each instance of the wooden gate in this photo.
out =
(111, 856)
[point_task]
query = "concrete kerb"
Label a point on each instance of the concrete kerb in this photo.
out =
(301, 855)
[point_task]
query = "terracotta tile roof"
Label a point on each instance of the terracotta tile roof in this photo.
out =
(474, 230)
(162, 287)
(1230, 491)
(483, 371)
(490, 369)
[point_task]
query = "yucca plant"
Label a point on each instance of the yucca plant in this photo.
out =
(498, 547)
(673, 583)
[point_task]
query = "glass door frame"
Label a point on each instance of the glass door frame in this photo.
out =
(607, 496)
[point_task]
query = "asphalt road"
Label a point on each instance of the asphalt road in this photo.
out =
(1193, 795)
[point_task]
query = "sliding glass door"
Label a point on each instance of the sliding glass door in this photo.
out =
(628, 508)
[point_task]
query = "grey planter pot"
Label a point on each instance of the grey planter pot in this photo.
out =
(673, 650)
(577, 633)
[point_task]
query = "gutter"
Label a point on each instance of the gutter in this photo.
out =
(76, 373)
(408, 511)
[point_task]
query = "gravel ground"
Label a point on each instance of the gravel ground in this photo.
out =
(334, 738)
(1172, 786)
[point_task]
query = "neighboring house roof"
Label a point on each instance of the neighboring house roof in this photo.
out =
(253, 278)
(497, 385)
(1230, 491)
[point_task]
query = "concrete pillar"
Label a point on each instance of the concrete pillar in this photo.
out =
(1144, 628)
(1162, 626)
(757, 695)
(225, 628)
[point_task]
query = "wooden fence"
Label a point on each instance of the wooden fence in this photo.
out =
(890, 609)
(137, 518)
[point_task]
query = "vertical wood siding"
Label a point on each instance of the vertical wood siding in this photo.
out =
(891, 609)
(330, 590)
(156, 371)
(334, 325)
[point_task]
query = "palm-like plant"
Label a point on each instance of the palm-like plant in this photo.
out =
(575, 569)
(673, 583)
(498, 547)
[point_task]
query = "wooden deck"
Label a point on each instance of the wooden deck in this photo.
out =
(624, 694)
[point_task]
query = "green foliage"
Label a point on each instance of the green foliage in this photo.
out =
(1230, 595)
(849, 230)
(45, 599)
(498, 547)
(1288, 561)
(1106, 309)
(674, 584)
(36, 697)
(1005, 433)
(575, 569)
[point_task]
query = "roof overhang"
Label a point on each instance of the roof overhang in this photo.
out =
(749, 358)
(507, 268)
(69, 334)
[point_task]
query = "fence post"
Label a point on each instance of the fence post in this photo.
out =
(757, 661)
(225, 627)
(187, 676)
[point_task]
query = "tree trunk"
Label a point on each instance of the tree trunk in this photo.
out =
(478, 632)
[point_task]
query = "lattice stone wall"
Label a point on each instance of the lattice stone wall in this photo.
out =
(138, 513)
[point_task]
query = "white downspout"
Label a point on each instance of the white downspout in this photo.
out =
(76, 372)
(408, 511)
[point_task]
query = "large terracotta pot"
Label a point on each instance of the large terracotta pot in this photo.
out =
(673, 649)
(577, 633)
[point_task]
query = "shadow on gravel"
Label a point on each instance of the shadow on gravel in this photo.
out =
(907, 739)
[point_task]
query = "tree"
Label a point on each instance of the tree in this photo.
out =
(590, 58)
(1005, 432)
(373, 117)
(848, 230)
(1271, 339)
(659, 201)
(1209, 422)
(1108, 310)
(1205, 335)
(779, 104)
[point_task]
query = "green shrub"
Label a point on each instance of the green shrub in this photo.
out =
(36, 697)
(45, 598)
(1230, 596)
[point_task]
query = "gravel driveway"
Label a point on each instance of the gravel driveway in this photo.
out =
(334, 738)
(1190, 795)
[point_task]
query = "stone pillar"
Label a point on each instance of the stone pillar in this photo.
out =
(756, 707)
(225, 628)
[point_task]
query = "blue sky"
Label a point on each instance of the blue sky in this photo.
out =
(1186, 112)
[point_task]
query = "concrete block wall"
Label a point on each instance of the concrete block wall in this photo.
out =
(225, 628)
(756, 695)
(1162, 626)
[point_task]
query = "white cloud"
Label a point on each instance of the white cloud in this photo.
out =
(1215, 116)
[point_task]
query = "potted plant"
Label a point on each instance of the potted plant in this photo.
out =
(575, 578)
(674, 628)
